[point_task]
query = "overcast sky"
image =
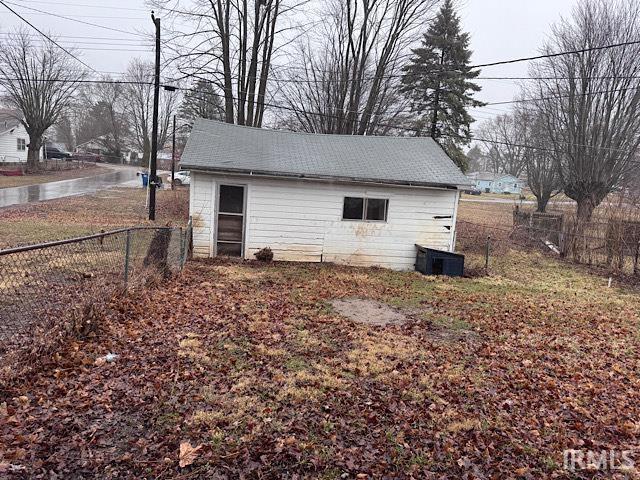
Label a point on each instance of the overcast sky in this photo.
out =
(500, 29)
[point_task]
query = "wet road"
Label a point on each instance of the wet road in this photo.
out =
(65, 188)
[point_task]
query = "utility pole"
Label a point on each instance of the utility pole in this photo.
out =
(154, 136)
(173, 154)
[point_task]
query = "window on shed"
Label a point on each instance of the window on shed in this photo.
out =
(22, 144)
(231, 199)
(369, 209)
(353, 208)
(376, 209)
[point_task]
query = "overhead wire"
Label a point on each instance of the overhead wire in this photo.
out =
(76, 20)
(295, 110)
(45, 35)
(309, 81)
(284, 107)
(83, 5)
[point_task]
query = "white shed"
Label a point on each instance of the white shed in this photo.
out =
(347, 199)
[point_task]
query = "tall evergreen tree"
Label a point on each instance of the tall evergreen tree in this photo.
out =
(202, 101)
(438, 83)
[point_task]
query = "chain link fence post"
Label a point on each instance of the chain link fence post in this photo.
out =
(183, 235)
(185, 243)
(127, 253)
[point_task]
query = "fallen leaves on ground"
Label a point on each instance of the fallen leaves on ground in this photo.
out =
(188, 454)
(244, 371)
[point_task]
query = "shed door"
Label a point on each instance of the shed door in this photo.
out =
(230, 221)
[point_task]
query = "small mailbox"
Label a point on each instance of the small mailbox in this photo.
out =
(439, 262)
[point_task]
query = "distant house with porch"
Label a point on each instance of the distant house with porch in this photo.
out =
(489, 182)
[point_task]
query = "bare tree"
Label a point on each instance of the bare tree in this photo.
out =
(65, 132)
(139, 107)
(504, 140)
(591, 102)
(105, 120)
(40, 81)
(542, 175)
(230, 43)
(348, 79)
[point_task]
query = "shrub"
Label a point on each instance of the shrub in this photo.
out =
(264, 255)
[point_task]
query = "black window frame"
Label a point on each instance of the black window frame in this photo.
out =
(365, 203)
(21, 144)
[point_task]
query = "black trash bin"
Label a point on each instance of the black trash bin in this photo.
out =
(438, 262)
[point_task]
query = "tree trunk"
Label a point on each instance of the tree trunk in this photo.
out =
(146, 152)
(586, 206)
(33, 156)
(158, 252)
(542, 201)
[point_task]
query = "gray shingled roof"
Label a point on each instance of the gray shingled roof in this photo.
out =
(222, 147)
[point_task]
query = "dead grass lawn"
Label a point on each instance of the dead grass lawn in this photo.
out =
(491, 377)
(87, 214)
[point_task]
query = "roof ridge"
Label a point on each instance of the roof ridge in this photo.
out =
(293, 132)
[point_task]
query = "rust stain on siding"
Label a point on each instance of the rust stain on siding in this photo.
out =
(366, 229)
(198, 221)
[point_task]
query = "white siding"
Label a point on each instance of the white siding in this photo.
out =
(201, 206)
(302, 221)
(9, 145)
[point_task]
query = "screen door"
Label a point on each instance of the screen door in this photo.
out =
(230, 224)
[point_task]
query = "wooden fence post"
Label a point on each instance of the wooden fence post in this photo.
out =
(486, 254)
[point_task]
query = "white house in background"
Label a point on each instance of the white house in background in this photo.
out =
(319, 198)
(489, 182)
(13, 138)
(96, 146)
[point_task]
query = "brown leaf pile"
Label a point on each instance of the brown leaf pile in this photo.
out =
(244, 371)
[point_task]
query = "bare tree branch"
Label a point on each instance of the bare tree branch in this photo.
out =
(40, 81)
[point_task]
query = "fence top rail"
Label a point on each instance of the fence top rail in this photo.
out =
(56, 243)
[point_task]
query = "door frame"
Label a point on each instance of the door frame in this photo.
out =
(216, 212)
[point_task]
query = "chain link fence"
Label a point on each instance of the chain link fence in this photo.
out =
(43, 285)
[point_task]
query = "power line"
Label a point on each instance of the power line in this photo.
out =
(82, 42)
(491, 64)
(45, 35)
(76, 20)
(409, 129)
(102, 17)
(81, 37)
(488, 105)
(605, 77)
(295, 110)
(557, 97)
(121, 46)
(85, 5)
(559, 54)
(84, 81)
